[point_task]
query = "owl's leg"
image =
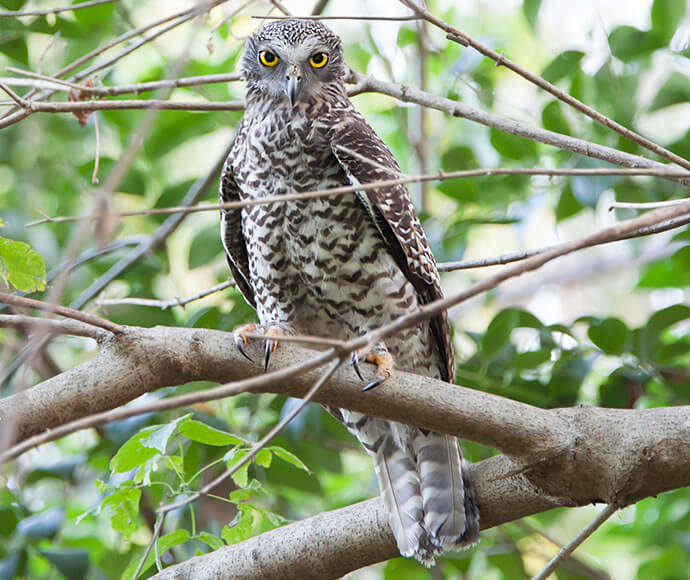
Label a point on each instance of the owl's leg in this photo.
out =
(378, 355)
(268, 330)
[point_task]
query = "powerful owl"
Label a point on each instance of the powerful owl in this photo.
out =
(342, 265)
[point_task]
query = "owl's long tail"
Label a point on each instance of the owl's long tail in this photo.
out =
(425, 486)
(451, 517)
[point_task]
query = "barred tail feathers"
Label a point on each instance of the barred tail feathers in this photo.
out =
(399, 484)
(450, 512)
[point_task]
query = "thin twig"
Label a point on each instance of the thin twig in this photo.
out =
(154, 538)
(440, 176)
(319, 17)
(30, 323)
(458, 36)
(570, 547)
(516, 257)
(319, 7)
(71, 107)
(647, 204)
(136, 88)
(260, 444)
(23, 103)
(91, 319)
(462, 110)
(165, 304)
(177, 18)
(46, 11)
(97, 160)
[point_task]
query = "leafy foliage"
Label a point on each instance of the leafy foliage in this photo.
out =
(614, 334)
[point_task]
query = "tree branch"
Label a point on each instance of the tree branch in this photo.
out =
(457, 36)
(91, 319)
(458, 109)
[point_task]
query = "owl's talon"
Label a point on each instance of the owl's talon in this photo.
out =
(240, 346)
(372, 384)
(241, 340)
(269, 349)
(270, 346)
(379, 356)
(353, 362)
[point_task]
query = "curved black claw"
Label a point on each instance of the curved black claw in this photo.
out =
(239, 343)
(268, 349)
(375, 383)
(353, 362)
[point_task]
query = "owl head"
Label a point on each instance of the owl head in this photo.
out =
(291, 60)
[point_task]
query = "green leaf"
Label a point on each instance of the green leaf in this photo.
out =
(610, 335)
(234, 456)
(203, 433)
(552, 118)
(42, 525)
(22, 266)
(530, 8)
(628, 43)
(666, 16)
(563, 65)
(241, 526)
(675, 90)
(568, 205)
(73, 564)
(15, 48)
(160, 436)
(263, 458)
(133, 453)
(291, 458)
(124, 505)
(214, 542)
(459, 158)
(513, 147)
(205, 247)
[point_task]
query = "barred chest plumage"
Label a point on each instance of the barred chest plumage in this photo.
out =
(318, 265)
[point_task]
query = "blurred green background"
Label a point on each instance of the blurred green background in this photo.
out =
(607, 327)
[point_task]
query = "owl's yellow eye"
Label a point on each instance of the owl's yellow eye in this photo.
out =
(268, 58)
(318, 60)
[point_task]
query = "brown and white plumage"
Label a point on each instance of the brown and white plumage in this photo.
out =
(339, 266)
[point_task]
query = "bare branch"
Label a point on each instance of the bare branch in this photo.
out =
(646, 205)
(458, 36)
(441, 176)
(319, 17)
(29, 323)
(177, 19)
(165, 304)
(90, 319)
(458, 109)
(516, 257)
(71, 107)
(136, 88)
(571, 546)
(20, 13)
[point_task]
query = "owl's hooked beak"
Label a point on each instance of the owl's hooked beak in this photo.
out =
(293, 86)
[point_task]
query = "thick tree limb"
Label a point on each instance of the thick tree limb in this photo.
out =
(627, 454)
(334, 543)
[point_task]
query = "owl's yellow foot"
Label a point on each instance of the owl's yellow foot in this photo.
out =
(379, 356)
(276, 329)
